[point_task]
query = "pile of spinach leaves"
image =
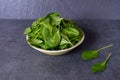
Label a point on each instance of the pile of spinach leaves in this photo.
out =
(53, 33)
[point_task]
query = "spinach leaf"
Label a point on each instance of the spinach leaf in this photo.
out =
(70, 32)
(45, 34)
(64, 46)
(55, 19)
(98, 67)
(36, 42)
(66, 38)
(54, 40)
(63, 41)
(91, 54)
(36, 23)
(27, 30)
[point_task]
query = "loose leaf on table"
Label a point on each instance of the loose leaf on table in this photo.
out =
(98, 67)
(91, 54)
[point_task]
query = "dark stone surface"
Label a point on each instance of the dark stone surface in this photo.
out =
(75, 9)
(18, 61)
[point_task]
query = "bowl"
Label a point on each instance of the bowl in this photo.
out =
(58, 52)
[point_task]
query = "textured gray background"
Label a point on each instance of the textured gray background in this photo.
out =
(75, 9)
(18, 61)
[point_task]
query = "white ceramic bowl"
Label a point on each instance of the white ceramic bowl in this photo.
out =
(58, 52)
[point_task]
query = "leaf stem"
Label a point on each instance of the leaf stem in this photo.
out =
(105, 47)
(107, 58)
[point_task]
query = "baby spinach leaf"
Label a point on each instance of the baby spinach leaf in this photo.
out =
(36, 23)
(46, 23)
(55, 19)
(66, 38)
(27, 31)
(98, 67)
(46, 34)
(68, 23)
(51, 40)
(63, 41)
(63, 46)
(36, 42)
(74, 40)
(71, 32)
(91, 54)
(54, 40)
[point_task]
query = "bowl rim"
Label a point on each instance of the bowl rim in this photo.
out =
(40, 49)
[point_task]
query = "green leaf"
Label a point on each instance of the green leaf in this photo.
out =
(36, 42)
(66, 38)
(75, 39)
(63, 46)
(68, 23)
(98, 67)
(63, 41)
(55, 19)
(46, 23)
(54, 40)
(51, 40)
(91, 54)
(27, 31)
(46, 34)
(70, 32)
